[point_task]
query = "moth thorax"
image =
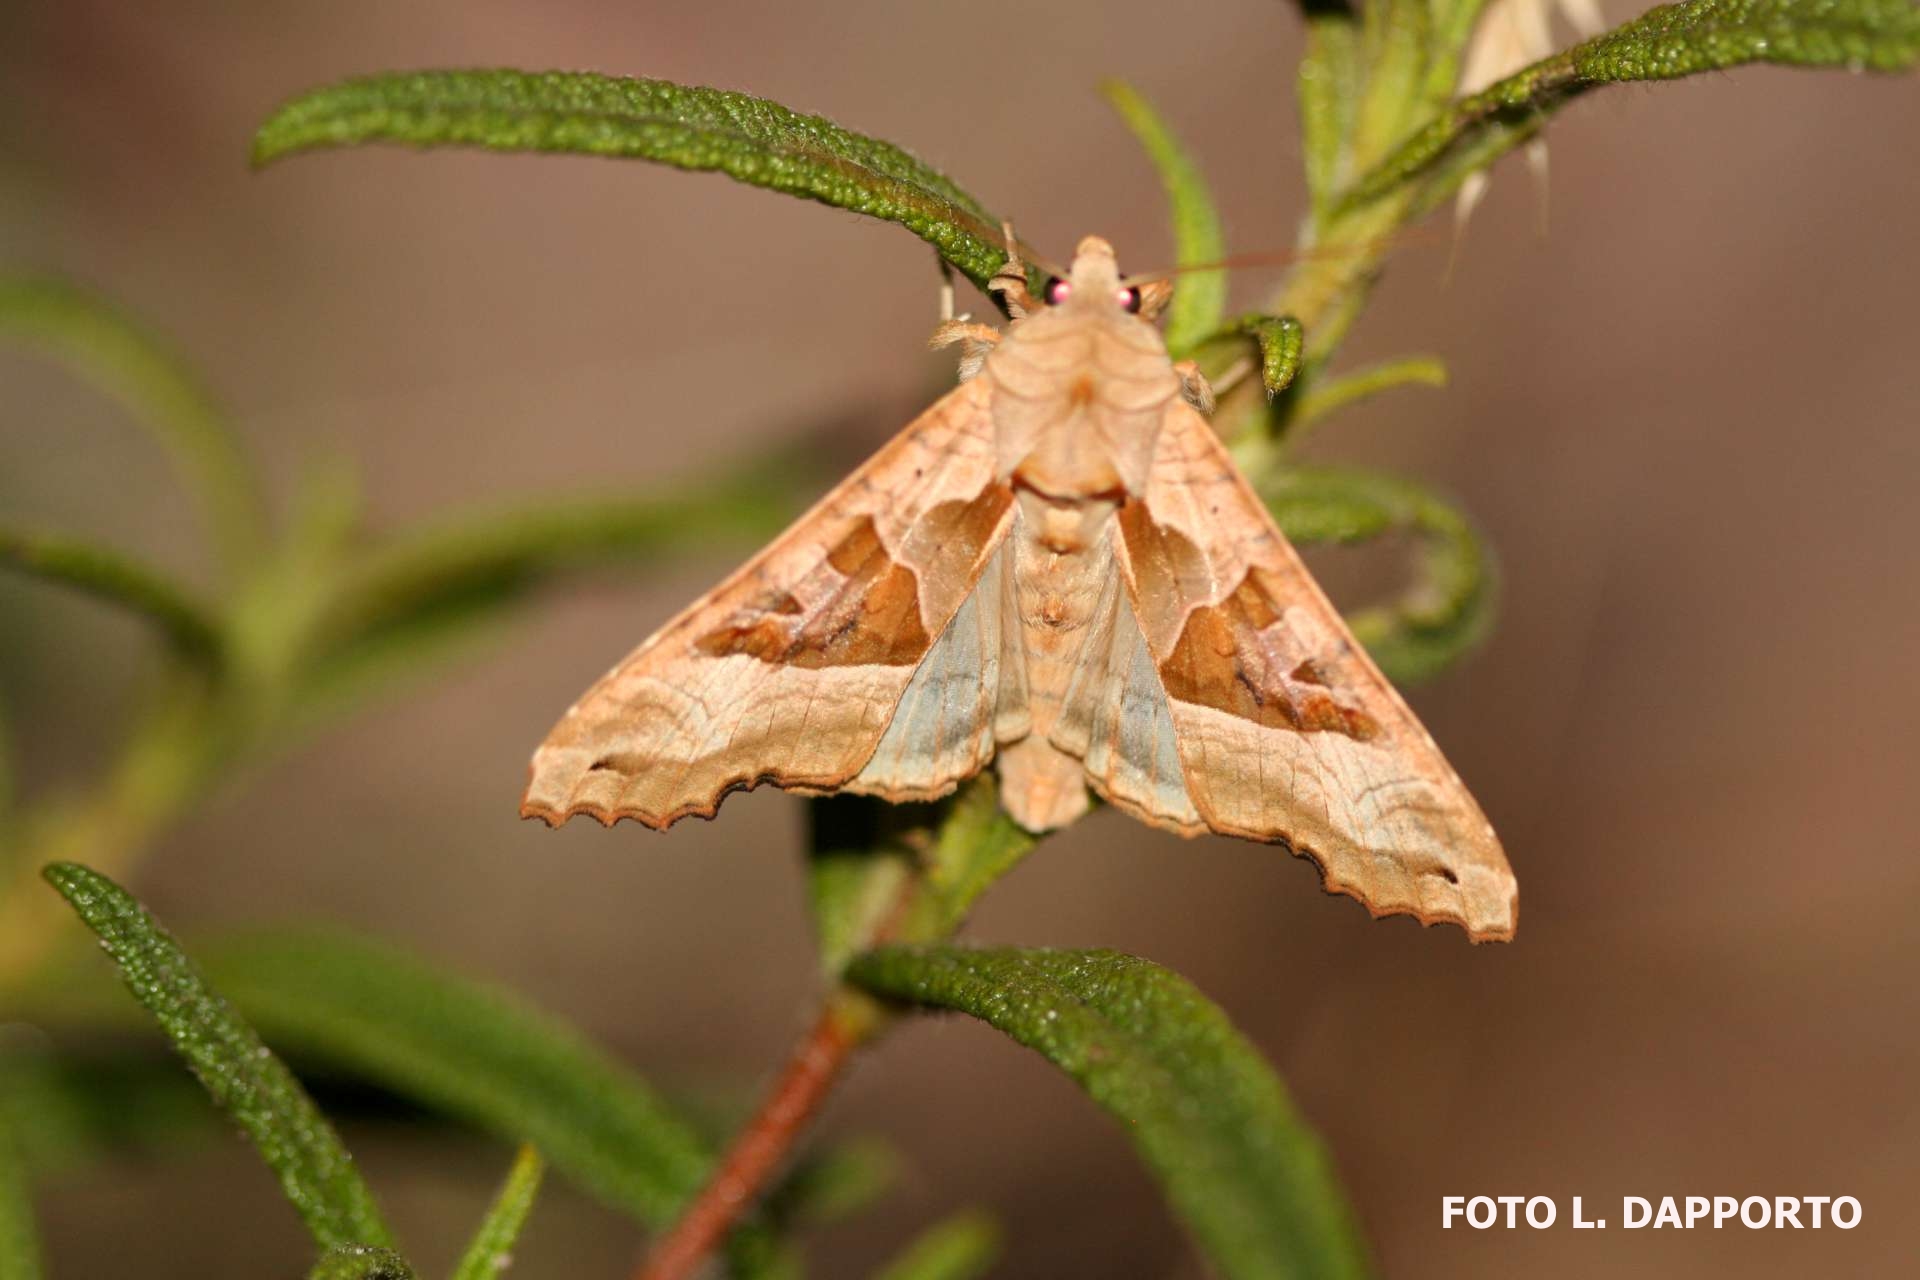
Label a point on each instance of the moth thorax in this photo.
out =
(1064, 527)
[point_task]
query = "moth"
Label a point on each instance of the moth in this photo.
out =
(1056, 569)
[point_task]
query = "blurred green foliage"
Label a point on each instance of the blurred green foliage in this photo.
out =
(313, 614)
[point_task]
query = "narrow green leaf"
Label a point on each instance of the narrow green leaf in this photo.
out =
(316, 1173)
(1199, 297)
(749, 139)
(959, 1248)
(120, 357)
(859, 872)
(863, 860)
(105, 574)
(65, 1111)
(1327, 396)
(759, 1255)
(1449, 605)
(1396, 45)
(976, 844)
(469, 1051)
(491, 1252)
(360, 1262)
(833, 1184)
(408, 599)
(1282, 343)
(1203, 1109)
(1663, 44)
(1329, 89)
(19, 1244)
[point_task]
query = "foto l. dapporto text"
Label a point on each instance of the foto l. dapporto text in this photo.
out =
(1684, 1213)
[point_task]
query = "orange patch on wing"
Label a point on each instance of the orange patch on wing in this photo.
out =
(1239, 656)
(865, 612)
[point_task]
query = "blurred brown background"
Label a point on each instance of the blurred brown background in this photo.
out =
(1684, 417)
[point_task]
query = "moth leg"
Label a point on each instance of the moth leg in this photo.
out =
(976, 341)
(1009, 283)
(1194, 387)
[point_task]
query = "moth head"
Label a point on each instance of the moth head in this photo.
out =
(1093, 279)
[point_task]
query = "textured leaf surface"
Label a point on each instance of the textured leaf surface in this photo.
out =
(749, 139)
(469, 1051)
(248, 1082)
(962, 1247)
(492, 1248)
(1199, 297)
(120, 357)
(1206, 1113)
(1665, 43)
(360, 1262)
(1282, 341)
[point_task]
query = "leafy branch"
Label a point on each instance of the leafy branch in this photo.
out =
(749, 139)
(1666, 43)
(307, 620)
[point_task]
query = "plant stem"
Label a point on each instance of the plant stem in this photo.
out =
(762, 1147)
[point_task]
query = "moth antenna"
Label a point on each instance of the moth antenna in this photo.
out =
(1284, 257)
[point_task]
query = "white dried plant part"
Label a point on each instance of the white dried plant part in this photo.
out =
(1512, 34)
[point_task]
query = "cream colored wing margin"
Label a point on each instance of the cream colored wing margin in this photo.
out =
(1286, 729)
(789, 672)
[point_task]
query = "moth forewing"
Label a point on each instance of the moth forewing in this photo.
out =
(789, 671)
(1056, 566)
(1287, 730)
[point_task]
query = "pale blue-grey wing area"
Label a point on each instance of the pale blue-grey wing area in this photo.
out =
(943, 730)
(1116, 719)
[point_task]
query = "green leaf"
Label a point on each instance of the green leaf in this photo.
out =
(859, 872)
(188, 624)
(864, 856)
(407, 599)
(248, 1082)
(749, 139)
(1396, 47)
(1200, 298)
(975, 844)
(120, 357)
(1663, 44)
(1329, 89)
(1449, 606)
(66, 1110)
(960, 1248)
(492, 1249)
(1282, 341)
(1205, 1112)
(830, 1185)
(1327, 396)
(468, 1051)
(360, 1262)
(19, 1245)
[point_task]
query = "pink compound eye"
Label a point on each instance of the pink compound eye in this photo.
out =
(1128, 298)
(1057, 291)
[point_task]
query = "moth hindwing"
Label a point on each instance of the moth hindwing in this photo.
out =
(1057, 568)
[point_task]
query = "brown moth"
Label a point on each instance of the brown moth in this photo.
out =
(1059, 567)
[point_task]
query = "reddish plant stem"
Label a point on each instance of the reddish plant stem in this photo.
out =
(761, 1147)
